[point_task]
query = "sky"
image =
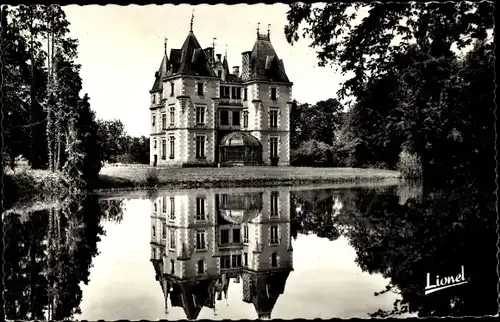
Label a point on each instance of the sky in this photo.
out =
(121, 47)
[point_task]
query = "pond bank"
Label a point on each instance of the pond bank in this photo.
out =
(126, 178)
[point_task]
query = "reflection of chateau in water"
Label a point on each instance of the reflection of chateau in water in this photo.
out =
(200, 240)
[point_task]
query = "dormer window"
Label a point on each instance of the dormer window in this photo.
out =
(172, 89)
(219, 73)
(273, 93)
(200, 89)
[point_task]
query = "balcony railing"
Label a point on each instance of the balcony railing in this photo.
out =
(229, 127)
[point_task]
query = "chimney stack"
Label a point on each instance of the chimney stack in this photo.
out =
(236, 70)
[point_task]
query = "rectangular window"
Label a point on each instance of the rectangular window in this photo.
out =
(224, 117)
(163, 149)
(225, 261)
(245, 119)
(172, 116)
(236, 236)
(200, 89)
(273, 93)
(273, 118)
(164, 121)
(172, 208)
(236, 93)
(172, 239)
(236, 260)
(274, 235)
(274, 204)
(236, 118)
(245, 234)
(164, 205)
(200, 240)
(200, 115)
(224, 92)
(224, 236)
(153, 120)
(219, 73)
(154, 144)
(164, 231)
(156, 207)
(200, 209)
(154, 231)
(172, 266)
(274, 260)
(172, 147)
(274, 147)
(153, 98)
(245, 257)
(245, 94)
(200, 146)
(172, 89)
(201, 266)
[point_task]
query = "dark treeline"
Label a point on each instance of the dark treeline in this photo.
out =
(417, 106)
(46, 119)
(48, 253)
(404, 234)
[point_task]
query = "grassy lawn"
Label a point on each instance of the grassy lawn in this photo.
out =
(129, 176)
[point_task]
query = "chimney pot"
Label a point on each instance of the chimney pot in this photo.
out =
(236, 70)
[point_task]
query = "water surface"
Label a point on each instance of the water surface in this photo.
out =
(252, 253)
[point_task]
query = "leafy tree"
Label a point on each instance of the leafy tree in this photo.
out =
(112, 134)
(312, 153)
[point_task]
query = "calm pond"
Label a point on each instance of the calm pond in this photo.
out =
(285, 252)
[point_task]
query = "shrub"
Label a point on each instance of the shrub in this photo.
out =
(312, 153)
(152, 176)
(125, 158)
(409, 165)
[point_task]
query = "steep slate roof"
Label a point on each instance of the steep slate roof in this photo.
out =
(192, 296)
(162, 72)
(264, 62)
(193, 60)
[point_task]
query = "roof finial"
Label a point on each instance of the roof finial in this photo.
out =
(226, 52)
(166, 39)
(213, 43)
(192, 17)
(268, 30)
(258, 25)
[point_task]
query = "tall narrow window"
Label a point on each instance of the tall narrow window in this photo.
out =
(200, 240)
(164, 205)
(236, 261)
(274, 260)
(236, 118)
(200, 209)
(236, 236)
(245, 258)
(172, 116)
(172, 239)
(273, 118)
(172, 266)
(172, 147)
(224, 117)
(219, 73)
(153, 98)
(274, 147)
(200, 115)
(245, 234)
(245, 119)
(153, 121)
(154, 231)
(200, 89)
(164, 121)
(201, 266)
(200, 146)
(154, 144)
(172, 208)
(273, 93)
(163, 149)
(274, 204)
(156, 207)
(274, 235)
(172, 89)
(164, 231)
(245, 94)
(224, 236)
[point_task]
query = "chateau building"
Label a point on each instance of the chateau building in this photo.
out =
(203, 113)
(200, 241)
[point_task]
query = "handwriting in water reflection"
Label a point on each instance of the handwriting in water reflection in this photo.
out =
(445, 282)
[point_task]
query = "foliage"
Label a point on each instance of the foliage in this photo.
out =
(411, 91)
(312, 153)
(409, 165)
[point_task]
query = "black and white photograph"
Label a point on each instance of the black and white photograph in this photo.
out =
(249, 161)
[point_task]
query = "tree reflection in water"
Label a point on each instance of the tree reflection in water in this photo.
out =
(406, 235)
(48, 253)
